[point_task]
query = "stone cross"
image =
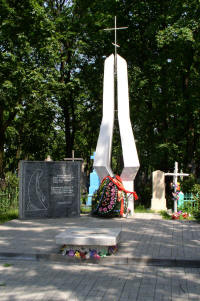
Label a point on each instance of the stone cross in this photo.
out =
(175, 175)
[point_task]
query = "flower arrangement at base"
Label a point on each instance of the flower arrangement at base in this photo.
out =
(111, 199)
(88, 252)
(180, 215)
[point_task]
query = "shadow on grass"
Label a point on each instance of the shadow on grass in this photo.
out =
(9, 215)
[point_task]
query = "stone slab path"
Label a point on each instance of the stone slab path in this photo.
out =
(146, 237)
(50, 281)
(157, 260)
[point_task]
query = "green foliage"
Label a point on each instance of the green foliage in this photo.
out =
(192, 207)
(8, 215)
(7, 265)
(9, 194)
(188, 183)
(165, 215)
(12, 180)
(196, 195)
(189, 207)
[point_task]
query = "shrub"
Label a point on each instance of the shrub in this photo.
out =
(9, 193)
(188, 183)
(196, 195)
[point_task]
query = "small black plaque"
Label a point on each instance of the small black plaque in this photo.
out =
(49, 189)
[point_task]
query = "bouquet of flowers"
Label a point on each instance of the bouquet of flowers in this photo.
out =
(180, 214)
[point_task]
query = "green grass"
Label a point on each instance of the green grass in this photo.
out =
(165, 215)
(86, 209)
(7, 265)
(142, 209)
(9, 215)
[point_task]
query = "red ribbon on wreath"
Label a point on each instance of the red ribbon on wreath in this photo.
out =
(118, 182)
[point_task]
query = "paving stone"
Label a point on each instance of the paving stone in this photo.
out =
(28, 280)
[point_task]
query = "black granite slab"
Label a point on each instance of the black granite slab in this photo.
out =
(49, 189)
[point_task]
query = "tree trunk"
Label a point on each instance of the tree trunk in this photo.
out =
(68, 140)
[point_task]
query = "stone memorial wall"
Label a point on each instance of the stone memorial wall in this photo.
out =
(49, 189)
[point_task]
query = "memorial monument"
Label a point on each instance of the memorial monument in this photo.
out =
(116, 76)
(49, 189)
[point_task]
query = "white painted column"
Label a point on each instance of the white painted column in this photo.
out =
(130, 156)
(104, 144)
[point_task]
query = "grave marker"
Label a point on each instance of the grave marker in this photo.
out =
(49, 189)
(175, 175)
(158, 201)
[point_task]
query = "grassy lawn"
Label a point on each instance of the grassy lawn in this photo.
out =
(141, 209)
(9, 215)
(85, 209)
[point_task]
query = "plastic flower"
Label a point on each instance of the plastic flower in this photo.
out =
(77, 254)
(71, 253)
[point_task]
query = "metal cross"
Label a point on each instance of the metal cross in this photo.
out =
(115, 29)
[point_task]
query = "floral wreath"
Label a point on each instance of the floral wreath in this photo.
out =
(111, 199)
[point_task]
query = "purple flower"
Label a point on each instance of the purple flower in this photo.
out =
(71, 253)
(109, 206)
(104, 209)
(100, 209)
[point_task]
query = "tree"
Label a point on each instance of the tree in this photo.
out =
(26, 61)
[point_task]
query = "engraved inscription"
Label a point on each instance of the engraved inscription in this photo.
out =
(60, 179)
(62, 185)
(67, 190)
